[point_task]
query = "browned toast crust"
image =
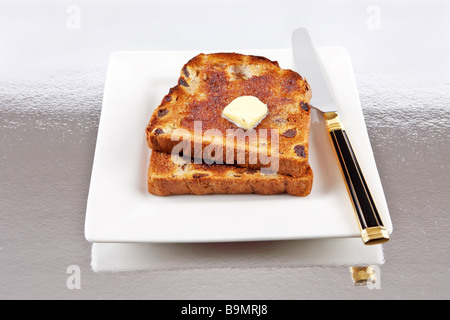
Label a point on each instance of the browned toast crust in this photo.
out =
(166, 177)
(209, 82)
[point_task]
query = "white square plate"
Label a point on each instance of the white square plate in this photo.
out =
(120, 209)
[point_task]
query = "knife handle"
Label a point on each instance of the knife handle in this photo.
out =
(372, 228)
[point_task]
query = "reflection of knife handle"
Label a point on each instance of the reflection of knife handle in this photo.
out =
(372, 229)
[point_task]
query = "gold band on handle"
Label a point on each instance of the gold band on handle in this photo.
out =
(333, 122)
(375, 235)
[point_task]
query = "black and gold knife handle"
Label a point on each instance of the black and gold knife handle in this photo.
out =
(372, 228)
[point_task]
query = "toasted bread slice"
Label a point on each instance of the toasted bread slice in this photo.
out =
(174, 175)
(208, 83)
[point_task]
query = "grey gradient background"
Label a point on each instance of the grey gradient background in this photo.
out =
(51, 86)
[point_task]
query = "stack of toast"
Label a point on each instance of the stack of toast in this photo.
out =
(192, 149)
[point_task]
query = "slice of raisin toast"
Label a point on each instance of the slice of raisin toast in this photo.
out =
(175, 175)
(207, 84)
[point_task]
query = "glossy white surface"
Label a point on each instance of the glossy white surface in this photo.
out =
(51, 87)
(324, 253)
(119, 208)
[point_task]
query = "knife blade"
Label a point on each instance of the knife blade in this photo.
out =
(309, 66)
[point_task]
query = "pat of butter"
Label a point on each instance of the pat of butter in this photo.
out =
(245, 112)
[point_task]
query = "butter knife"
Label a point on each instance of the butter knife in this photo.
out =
(309, 66)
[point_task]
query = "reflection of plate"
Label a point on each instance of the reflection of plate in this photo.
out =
(119, 208)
